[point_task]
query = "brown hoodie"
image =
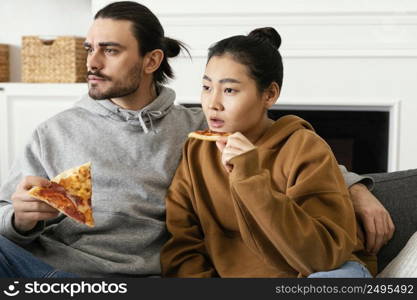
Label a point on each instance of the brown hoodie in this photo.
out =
(283, 211)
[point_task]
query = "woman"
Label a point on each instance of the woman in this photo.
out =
(269, 199)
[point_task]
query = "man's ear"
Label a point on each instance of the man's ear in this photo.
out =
(152, 60)
(271, 94)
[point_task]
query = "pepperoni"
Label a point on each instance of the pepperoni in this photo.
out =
(56, 187)
(73, 212)
(77, 200)
(58, 198)
(63, 201)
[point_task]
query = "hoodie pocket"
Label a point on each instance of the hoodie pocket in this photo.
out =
(67, 231)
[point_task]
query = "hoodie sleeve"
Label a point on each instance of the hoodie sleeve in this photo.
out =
(29, 163)
(353, 178)
(311, 224)
(185, 254)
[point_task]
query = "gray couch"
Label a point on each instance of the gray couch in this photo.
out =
(397, 191)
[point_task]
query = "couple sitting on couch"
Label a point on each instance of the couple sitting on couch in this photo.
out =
(268, 200)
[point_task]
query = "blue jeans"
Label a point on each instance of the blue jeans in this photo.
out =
(18, 263)
(350, 269)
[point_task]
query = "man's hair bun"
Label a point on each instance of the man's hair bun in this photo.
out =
(172, 47)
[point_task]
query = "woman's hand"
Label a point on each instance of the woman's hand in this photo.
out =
(232, 146)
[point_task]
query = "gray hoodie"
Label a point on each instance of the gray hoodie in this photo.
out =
(134, 155)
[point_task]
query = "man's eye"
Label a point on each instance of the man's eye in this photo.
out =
(110, 51)
(229, 90)
(88, 50)
(206, 88)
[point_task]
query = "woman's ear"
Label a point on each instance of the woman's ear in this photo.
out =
(152, 60)
(271, 94)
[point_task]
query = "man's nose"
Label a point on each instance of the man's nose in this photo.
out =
(94, 61)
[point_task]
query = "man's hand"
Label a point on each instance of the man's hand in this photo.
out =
(376, 220)
(28, 211)
(232, 146)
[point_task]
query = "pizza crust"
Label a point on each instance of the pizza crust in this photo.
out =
(207, 135)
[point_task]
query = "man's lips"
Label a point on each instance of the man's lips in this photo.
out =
(95, 78)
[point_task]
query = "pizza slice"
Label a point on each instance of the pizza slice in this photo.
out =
(70, 192)
(207, 135)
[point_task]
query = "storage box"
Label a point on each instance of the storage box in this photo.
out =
(4, 63)
(61, 59)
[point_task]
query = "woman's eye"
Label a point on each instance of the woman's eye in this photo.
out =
(228, 90)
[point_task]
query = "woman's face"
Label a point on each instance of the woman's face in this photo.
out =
(230, 99)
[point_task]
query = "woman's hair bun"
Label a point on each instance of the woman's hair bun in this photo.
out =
(267, 34)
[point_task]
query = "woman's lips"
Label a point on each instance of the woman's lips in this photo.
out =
(216, 123)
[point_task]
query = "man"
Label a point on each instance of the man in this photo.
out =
(132, 133)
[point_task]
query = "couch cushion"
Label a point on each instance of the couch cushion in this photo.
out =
(405, 264)
(397, 191)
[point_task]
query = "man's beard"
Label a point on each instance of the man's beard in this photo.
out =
(119, 89)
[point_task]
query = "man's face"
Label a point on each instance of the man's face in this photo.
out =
(114, 66)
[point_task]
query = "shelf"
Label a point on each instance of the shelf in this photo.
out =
(48, 89)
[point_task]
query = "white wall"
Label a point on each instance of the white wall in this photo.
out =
(335, 51)
(40, 17)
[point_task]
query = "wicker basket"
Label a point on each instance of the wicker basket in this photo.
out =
(4, 63)
(60, 60)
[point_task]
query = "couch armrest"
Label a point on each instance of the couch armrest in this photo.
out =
(397, 191)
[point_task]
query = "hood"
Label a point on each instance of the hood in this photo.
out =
(143, 118)
(282, 129)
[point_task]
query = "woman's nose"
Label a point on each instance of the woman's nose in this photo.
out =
(215, 102)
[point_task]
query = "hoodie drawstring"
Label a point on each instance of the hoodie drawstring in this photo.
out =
(150, 115)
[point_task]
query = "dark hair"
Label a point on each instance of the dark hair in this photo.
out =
(258, 51)
(148, 32)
